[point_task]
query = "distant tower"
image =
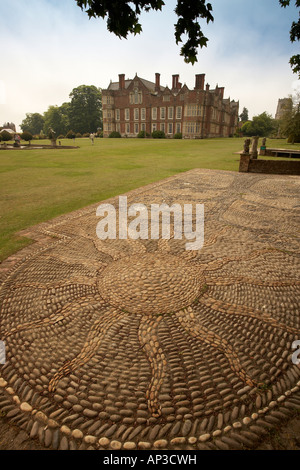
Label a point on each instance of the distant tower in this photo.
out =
(283, 105)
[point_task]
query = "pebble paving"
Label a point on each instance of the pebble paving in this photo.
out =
(141, 344)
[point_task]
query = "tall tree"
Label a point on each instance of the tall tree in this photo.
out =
(33, 123)
(123, 18)
(85, 109)
(56, 119)
(244, 116)
(261, 125)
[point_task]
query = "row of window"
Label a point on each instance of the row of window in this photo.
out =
(135, 97)
(140, 113)
(189, 128)
(156, 113)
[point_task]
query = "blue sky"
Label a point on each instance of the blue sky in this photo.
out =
(50, 47)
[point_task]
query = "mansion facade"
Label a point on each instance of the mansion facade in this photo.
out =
(134, 105)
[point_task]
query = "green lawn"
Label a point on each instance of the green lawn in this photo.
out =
(37, 185)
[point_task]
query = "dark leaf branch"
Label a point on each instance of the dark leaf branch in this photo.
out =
(123, 18)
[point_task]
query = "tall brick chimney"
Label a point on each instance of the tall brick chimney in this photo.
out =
(157, 81)
(175, 81)
(207, 87)
(221, 92)
(121, 81)
(199, 83)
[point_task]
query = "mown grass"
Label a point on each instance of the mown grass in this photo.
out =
(39, 184)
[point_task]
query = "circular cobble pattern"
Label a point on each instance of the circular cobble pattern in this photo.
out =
(150, 283)
(140, 344)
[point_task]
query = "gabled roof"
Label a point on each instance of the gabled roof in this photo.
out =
(113, 86)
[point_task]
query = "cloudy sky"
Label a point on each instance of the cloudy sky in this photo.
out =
(49, 47)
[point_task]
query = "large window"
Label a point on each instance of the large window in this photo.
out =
(193, 110)
(178, 112)
(162, 113)
(154, 114)
(106, 99)
(127, 116)
(170, 128)
(135, 97)
(143, 114)
(192, 128)
(117, 114)
(136, 114)
(170, 112)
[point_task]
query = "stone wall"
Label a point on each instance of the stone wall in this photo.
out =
(279, 167)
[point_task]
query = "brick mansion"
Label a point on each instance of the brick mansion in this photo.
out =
(134, 105)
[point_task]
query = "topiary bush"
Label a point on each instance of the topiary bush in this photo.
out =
(178, 135)
(158, 135)
(70, 135)
(6, 136)
(27, 136)
(114, 135)
(143, 134)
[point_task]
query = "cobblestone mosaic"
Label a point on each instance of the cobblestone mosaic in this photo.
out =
(140, 344)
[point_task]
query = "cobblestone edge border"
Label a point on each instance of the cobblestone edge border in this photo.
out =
(245, 432)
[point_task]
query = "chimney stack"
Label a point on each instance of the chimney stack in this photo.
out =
(221, 92)
(157, 81)
(199, 84)
(121, 81)
(175, 81)
(207, 87)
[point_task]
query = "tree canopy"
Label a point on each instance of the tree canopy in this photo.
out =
(83, 114)
(244, 115)
(85, 109)
(123, 18)
(33, 123)
(56, 119)
(262, 125)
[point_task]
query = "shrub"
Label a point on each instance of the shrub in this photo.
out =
(177, 136)
(27, 136)
(143, 134)
(114, 135)
(70, 135)
(158, 135)
(78, 135)
(6, 136)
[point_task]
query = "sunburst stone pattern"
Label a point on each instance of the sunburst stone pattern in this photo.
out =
(141, 344)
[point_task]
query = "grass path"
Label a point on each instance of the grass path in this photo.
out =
(37, 185)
